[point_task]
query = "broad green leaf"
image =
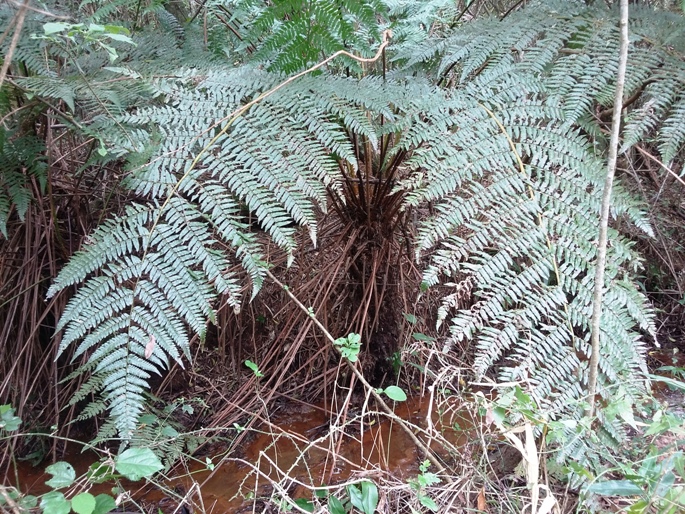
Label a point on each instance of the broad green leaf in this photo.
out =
(422, 337)
(335, 506)
(639, 507)
(137, 463)
(63, 475)
(666, 482)
(99, 473)
(54, 502)
(121, 37)
(499, 414)
(54, 27)
(355, 496)
(104, 504)
(83, 503)
(365, 500)
(615, 488)
(117, 29)
(169, 431)
(369, 497)
(428, 479)
(28, 502)
(354, 339)
(395, 393)
(148, 419)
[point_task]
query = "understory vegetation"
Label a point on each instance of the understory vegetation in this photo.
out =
(377, 218)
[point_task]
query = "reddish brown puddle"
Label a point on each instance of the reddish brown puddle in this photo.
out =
(301, 452)
(297, 451)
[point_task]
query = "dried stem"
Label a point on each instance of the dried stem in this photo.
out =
(606, 204)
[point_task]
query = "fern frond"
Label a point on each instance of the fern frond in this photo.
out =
(517, 193)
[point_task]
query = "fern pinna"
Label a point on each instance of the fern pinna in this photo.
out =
(499, 142)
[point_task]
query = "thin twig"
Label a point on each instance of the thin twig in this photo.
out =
(645, 153)
(606, 204)
(19, 24)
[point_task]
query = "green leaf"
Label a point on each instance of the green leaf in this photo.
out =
(121, 37)
(354, 339)
(28, 502)
(104, 503)
(63, 475)
(355, 496)
(428, 479)
(117, 29)
(411, 319)
(54, 502)
(615, 488)
(54, 27)
(369, 497)
(395, 393)
(428, 502)
(83, 503)
(8, 421)
(349, 346)
(626, 412)
(672, 383)
(148, 419)
(169, 431)
(137, 463)
(365, 500)
(335, 506)
(99, 473)
(422, 337)
(305, 504)
(254, 368)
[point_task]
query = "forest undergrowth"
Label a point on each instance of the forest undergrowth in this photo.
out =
(337, 256)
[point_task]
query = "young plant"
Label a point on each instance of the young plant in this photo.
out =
(132, 464)
(421, 482)
(349, 346)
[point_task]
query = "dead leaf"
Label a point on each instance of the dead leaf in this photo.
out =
(481, 503)
(489, 416)
(150, 347)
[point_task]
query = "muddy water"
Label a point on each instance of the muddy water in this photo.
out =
(298, 442)
(300, 445)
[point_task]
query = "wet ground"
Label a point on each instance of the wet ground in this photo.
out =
(296, 450)
(302, 447)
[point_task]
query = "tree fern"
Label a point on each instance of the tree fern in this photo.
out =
(157, 267)
(488, 118)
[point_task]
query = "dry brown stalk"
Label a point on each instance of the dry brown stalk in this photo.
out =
(367, 386)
